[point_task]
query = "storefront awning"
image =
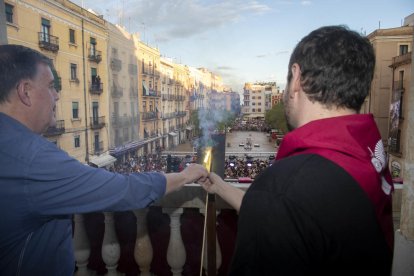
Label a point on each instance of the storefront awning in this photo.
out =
(189, 128)
(172, 134)
(103, 160)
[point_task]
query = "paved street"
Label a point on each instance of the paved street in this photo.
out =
(235, 138)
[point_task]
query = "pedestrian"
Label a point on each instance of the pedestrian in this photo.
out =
(324, 206)
(41, 186)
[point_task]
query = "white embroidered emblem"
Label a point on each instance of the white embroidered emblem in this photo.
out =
(378, 158)
(379, 161)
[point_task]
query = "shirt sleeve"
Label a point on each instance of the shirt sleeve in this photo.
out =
(58, 184)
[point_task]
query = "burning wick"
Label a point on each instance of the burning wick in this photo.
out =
(207, 159)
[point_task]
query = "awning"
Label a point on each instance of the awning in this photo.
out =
(103, 160)
(189, 128)
(172, 134)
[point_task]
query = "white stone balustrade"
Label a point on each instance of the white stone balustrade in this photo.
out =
(191, 196)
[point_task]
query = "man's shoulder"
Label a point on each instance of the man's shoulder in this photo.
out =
(303, 174)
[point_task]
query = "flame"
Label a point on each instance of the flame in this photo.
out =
(207, 159)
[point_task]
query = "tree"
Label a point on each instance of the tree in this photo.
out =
(275, 117)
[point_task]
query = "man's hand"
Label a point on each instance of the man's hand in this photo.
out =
(232, 195)
(212, 183)
(194, 173)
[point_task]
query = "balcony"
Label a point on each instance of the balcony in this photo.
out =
(157, 240)
(116, 64)
(94, 55)
(166, 116)
(401, 60)
(148, 116)
(48, 42)
(180, 113)
(164, 97)
(96, 88)
(150, 93)
(59, 129)
(117, 92)
(132, 69)
(97, 122)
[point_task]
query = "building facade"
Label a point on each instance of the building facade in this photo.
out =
(387, 43)
(257, 99)
(76, 41)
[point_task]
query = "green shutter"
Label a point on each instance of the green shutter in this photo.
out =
(9, 9)
(45, 22)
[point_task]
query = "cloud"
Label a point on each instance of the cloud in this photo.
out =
(306, 3)
(272, 54)
(172, 19)
(225, 68)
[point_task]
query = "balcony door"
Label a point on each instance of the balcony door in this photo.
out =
(45, 30)
(96, 139)
(95, 112)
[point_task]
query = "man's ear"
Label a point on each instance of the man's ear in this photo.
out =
(23, 89)
(296, 73)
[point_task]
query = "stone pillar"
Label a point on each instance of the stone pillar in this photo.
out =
(176, 254)
(143, 251)
(403, 264)
(111, 250)
(81, 246)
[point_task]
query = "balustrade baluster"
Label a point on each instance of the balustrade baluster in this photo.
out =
(81, 246)
(143, 251)
(176, 254)
(111, 250)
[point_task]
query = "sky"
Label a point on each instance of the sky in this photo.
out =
(242, 41)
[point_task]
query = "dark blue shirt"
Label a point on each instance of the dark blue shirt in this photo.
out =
(41, 186)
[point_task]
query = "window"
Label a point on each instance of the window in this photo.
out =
(259, 110)
(259, 103)
(73, 72)
(9, 13)
(75, 110)
(93, 46)
(76, 141)
(403, 49)
(45, 30)
(72, 36)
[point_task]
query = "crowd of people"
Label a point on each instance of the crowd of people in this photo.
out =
(235, 167)
(148, 163)
(245, 167)
(250, 125)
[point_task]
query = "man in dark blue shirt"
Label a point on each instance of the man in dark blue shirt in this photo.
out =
(41, 186)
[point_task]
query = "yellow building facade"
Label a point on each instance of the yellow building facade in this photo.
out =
(149, 92)
(76, 41)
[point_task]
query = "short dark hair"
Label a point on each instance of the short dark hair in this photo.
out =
(17, 63)
(337, 66)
